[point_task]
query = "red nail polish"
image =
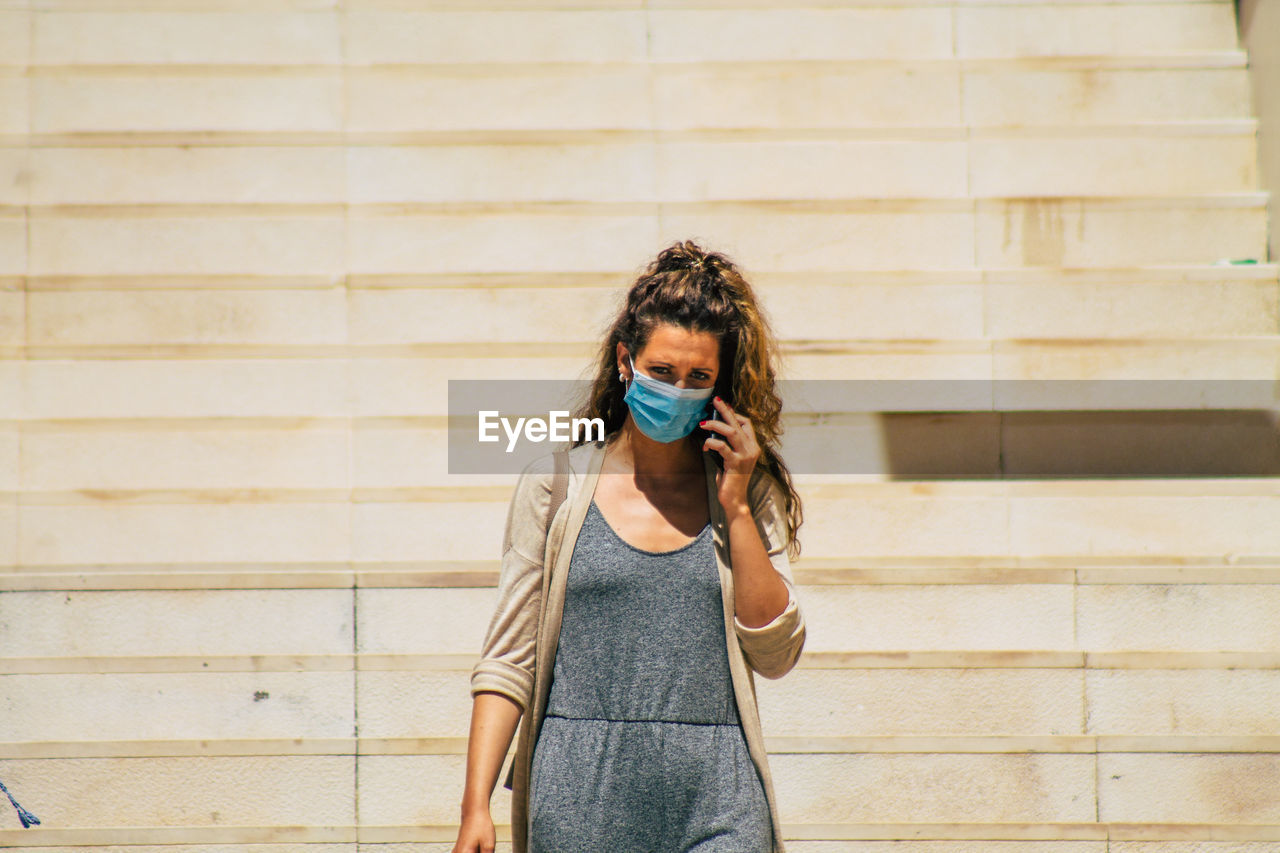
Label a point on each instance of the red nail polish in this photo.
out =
(702, 423)
(718, 400)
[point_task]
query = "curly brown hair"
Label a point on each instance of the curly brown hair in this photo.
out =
(702, 291)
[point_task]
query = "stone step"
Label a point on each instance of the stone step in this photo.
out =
(886, 619)
(1177, 159)
(406, 792)
(949, 709)
(400, 391)
(326, 37)
(803, 235)
(205, 104)
(1219, 302)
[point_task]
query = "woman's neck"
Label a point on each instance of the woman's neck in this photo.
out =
(654, 460)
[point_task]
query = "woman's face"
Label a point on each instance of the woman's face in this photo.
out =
(677, 356)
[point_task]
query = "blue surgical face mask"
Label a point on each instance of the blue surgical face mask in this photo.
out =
(662, 411)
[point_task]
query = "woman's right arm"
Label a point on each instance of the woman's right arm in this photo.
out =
(502, 680)
(494, 718)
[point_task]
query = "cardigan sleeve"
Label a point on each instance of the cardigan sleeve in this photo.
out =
(507, 655)
(772, 649)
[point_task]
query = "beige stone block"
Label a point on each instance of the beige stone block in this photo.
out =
(929, 702)
(13, 322)
(14, 112)
(266, 387)
(1156, 617)
(898, 33)
(968, 617)
(613, 172)
(1093, 29)
(1113, 166)
(438, 621)
(67, 102)
(936, 788)
(553, 97)
(922, 525)
(178, 706)
(188, 175)
(125, 37)
(243, 532)
(777, 240)
(415, 704)
(545, 35)
(14, 175)
(465, 530)
(706, 95)
(1083, 232)
(1135, 442)
(698, 171)
(11, 402)
(472, 314)
(947, 360)
(13, 245)
(177, 622)
(1144, 524)
(8, 534)
(404, 457)
(15, 36)
(192, 792)
(892, 446)
(211, 244)
(1160, 309)
(1156, 788)
(419, 386)
(9, 446)
(1028, 96)
(868, 311)
(102, 459)
(1183, 702)
(412, 790)
(269, 317)
(500, 242)
(1136, 359)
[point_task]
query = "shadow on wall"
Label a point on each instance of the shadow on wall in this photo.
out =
(1258, 23)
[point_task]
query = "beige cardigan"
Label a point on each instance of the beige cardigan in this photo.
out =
(512, 665)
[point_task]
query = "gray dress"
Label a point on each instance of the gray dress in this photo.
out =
(641, 749)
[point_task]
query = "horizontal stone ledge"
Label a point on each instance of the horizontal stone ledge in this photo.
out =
(907, 659)
(756, 206)
(572, 279)
(36, 837)
(1193, 58)
(920, 347)
(445, 833)
(532, 5)
(1242, 126)
(882, 489)
(899, 744)
(484, 574)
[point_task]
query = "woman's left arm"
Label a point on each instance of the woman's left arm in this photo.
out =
(767, 617)
(759, 594)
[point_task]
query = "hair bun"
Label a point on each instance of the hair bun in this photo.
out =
(686, 255)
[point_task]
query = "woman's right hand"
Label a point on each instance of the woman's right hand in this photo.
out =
(476, 834)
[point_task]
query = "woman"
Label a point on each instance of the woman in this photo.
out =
(669, 583)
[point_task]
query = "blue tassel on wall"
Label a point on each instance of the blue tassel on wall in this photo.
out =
(25, 816)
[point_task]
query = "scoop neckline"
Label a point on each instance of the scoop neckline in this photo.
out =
(645, 551)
